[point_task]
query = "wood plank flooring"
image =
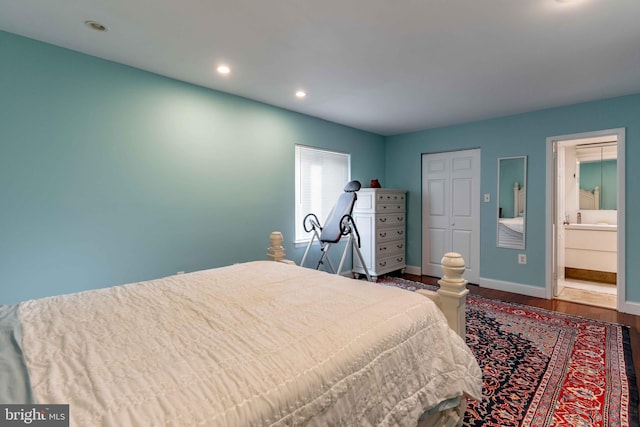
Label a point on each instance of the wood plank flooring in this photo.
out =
(590, 312)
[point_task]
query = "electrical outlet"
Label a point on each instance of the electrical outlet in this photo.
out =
(487, 198)
(522, 258)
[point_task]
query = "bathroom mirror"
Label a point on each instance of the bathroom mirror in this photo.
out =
(512, 196)
(597, 173)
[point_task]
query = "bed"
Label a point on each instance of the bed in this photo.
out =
(511, 230)
(252, 344)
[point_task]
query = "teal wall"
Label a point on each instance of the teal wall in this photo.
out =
(519, 135)
(112, 175)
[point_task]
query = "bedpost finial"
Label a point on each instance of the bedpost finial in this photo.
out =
(276, 239)
(453, 267)
(276, 252)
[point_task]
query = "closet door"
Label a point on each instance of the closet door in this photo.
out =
(451, 210)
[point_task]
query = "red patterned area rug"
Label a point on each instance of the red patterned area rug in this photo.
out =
(543, 368)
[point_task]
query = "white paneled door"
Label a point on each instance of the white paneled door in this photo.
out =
(451, 210)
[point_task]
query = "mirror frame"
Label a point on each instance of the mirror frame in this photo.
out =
(512, 244)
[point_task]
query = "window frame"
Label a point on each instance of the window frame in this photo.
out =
(301, 238)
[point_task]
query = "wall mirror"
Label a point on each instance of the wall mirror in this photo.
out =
(512, 197)
(597, 175)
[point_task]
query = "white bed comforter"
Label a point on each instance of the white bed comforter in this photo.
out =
(252, 344)
(515, 224)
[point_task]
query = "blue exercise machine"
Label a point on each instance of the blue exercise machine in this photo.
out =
(339, 223)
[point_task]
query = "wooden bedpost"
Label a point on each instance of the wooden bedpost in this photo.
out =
(276, 252)
(453, 291)
(451, 298)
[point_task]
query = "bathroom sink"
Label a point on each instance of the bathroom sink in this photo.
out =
(598, 226)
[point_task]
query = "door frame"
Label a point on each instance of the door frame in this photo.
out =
(475, 256)
(550, 228)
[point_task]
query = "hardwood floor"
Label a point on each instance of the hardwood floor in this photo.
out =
(597, 313)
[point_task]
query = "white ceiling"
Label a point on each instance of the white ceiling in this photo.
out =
(384, 66)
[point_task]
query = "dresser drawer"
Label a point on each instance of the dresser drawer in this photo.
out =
(390, 207)
(395, 197)
(389, 234)
(390, 220)
(374, 200)
(392, 263)
(387, 249)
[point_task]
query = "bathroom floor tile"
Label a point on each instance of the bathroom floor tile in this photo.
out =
(588, 297)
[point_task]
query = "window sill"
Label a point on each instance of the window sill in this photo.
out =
(304, 243)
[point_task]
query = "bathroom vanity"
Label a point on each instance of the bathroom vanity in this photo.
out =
(591, 252)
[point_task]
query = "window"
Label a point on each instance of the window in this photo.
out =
(320, 178)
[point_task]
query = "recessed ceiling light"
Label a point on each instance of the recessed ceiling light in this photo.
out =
(223, 69)
(95, 25)
(301, 94)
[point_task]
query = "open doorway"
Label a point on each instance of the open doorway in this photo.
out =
(587, 211)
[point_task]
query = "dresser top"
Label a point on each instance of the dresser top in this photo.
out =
(385, 190)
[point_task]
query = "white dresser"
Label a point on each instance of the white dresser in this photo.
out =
(380, 215)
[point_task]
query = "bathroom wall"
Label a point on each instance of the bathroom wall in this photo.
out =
(570, 183)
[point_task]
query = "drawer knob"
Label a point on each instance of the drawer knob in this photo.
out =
(383, 219)
(383, 234)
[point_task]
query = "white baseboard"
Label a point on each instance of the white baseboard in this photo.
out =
(532, 291)
(500, 285)
(630, 307)
(517, 288)
(413, 269)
